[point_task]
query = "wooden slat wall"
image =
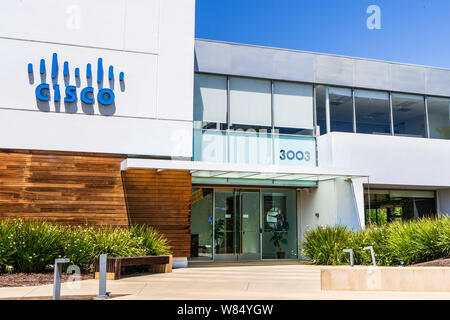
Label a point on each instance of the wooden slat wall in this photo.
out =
(161, 199)
(62, 187)
(81, 188)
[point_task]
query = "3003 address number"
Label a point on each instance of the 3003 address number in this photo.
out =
(295, 155)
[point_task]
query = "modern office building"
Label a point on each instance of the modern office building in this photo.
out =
(112, 113)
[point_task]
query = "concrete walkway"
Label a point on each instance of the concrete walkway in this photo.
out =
(277, 281)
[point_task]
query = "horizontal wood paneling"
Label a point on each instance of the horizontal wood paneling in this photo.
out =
(69, 188)
(163, 200)
(88, 188)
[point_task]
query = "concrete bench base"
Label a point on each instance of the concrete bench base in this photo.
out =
(361, 278)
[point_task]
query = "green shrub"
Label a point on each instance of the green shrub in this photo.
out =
(419, 241)
(7, 246)
(77, 245)
(375, 237)
(36, 245)
(154, 243)
(115, 242)
(30, 246)
(324, 245)
(411, 242)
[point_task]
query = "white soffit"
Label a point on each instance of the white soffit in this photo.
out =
(201, 169)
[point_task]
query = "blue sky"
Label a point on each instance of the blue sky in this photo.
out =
(412, 31)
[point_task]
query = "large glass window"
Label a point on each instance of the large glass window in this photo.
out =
(341, 109)
(321, 112)
(293, 108)
(398, 205)
(201, 224)
(409, 115)
(439, 117)
(250, 104)
(210, 101)
(279, 224)
(372, 112)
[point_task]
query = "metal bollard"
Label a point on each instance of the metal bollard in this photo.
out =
(351, 255)
(372, 254)
(102, 277)
(57, 278)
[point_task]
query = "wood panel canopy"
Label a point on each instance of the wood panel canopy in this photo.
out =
(89, 188)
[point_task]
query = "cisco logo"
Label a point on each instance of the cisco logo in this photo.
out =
(46, 92)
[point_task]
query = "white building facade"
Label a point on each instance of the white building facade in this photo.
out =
(274, 140)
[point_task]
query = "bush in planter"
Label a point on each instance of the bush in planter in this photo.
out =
(409, 241)
(372, 236)
(153, 242)
(324, 245)
(419, 241)
(115, 242)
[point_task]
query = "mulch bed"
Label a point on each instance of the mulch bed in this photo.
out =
(33, 279)
(443, 262)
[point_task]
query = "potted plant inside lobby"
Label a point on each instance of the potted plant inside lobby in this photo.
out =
(219, 233)
(278, 239)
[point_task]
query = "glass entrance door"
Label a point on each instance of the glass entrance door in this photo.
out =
(249, 226)
(237, 225)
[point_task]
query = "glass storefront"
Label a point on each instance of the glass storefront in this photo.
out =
(229, 224)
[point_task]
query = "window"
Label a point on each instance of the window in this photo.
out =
(372, 112)
(398, 205)
(201, 224)
(321, 113)
(293, 108)
(250, 104)
(341, 109)
(409, 115)
(210, 101)
(279, 225)
(439, 117)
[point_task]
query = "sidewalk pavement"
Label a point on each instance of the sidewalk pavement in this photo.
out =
(218, 282)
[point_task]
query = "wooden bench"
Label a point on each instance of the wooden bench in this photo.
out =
(158, 264)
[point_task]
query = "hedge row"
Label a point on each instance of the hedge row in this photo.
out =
(30, 246)
(409, 242)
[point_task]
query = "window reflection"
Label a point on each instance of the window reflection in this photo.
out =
(279, 236)
(409, 115)
(341, 109)
(201, 223)
(372, 112)
(398, 205)
(439, 118)
(321, 110)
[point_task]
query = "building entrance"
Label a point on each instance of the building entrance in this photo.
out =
(238, 224)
